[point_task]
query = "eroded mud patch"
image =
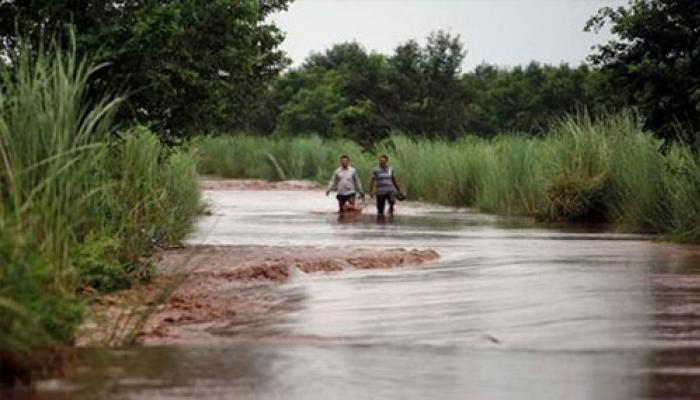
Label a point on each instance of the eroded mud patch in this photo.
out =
(201, 291)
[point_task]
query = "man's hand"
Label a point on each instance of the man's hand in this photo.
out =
(328, 193)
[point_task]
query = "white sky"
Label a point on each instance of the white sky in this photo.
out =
(503, 32)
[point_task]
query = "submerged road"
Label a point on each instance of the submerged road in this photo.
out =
(512, 310)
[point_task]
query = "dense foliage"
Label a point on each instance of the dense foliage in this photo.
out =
(188, 64)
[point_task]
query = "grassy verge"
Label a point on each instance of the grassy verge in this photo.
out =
(603, 170)
(81, 205)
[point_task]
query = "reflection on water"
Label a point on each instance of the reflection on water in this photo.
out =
(512, 311)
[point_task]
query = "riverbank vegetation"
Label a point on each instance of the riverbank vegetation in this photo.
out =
(82, 205)
(604, 169)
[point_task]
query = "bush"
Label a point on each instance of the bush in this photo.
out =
(97, 264)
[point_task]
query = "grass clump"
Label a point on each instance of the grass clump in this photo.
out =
(574, 199)
(683, 194)
(510, 183)
(576, 162)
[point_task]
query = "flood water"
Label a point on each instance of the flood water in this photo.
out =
(512, 310)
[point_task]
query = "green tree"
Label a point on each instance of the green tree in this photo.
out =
(311, 111)
(334, 93)
(430, 98)
(654, 60)
(189, 65)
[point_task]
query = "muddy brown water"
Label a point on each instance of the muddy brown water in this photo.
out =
(511, 311)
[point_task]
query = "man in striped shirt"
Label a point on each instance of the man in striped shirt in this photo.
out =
(383, 183)
(346, 183)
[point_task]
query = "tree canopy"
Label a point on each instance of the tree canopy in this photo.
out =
(420, 90)
(654, 61)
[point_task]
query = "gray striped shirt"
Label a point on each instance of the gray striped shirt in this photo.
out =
(383, 180)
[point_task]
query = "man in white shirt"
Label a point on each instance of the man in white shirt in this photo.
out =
(346, 183)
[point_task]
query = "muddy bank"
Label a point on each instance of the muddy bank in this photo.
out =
(201, 293)
(256, 184)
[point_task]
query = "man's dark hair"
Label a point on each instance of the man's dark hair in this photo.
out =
(345, 156)
(384, 156)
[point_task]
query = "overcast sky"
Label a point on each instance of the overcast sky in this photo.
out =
(503, 32)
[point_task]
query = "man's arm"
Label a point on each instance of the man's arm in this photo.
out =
(358, 184)
(370, 187)
(332, 183)
(396, 181)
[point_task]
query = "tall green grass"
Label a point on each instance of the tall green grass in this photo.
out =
(242, 156)
(681, 213)
(80, 204)
(604, 169)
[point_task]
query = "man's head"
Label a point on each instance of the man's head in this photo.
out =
(383, 160)
(344, 160)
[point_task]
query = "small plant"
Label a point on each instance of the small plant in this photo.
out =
(97, 264)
